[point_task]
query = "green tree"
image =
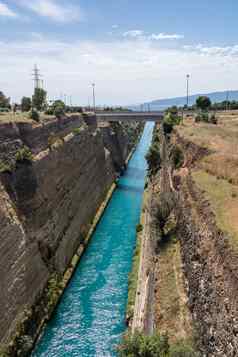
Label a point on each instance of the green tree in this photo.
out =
(58, 104)
(39, 98)
(25, 104)
(173, 110)
(4, 101)
(203, 103)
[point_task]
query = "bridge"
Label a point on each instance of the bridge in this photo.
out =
(127, 116)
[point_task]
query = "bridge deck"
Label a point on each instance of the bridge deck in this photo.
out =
(121, 116)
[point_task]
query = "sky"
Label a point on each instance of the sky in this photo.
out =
(134, 51)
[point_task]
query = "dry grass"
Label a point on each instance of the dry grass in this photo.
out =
(172, 313)
(21, 117)
(221, 140)
(217, 173)
(223, 197)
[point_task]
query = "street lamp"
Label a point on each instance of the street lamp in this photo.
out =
(188, 76)
(94, 102)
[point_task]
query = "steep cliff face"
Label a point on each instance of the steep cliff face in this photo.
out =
(47, 205)
(209, 259)
(210, 263)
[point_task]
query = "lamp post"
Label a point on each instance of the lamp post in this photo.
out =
(188, 76)
(94, 102)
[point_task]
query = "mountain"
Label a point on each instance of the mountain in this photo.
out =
(161, 104)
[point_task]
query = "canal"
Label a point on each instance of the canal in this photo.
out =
(90, 319)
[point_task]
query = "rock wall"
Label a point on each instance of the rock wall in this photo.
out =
(210, 265)
(47, 205)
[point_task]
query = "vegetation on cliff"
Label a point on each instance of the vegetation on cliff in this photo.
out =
(156, 345)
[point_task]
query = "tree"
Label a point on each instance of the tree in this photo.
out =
(4, 101)
(58, 104)
(25, 104)
(203, 102)
(39, 98)
(173, 110)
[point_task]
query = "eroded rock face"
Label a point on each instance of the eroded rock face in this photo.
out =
(212, 274)
(47, 206)
(210, 265)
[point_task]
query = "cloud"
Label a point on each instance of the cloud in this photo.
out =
(133, 33)
(55, 11)
(164, 36)
(139, 34)
(136, 73)
(213, 50)
(115, 26)
(6, 11)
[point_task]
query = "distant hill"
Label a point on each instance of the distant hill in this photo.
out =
(161, 104)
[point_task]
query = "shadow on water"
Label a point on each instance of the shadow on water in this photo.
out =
(130, 188)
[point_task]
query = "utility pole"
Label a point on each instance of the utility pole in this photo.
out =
(94, 102)
(188, 76)
(37, 77)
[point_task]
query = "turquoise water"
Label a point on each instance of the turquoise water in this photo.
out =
(90, 318)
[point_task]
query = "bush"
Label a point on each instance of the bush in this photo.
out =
(26, 104)
(49, 111)
(177, 157)
(77, 131)
(153, 158)
(59, 112)
(24, 154)
(34, 115)
(182, 349)
(139, 345)
(206, 118)
(213, 119)
(144, 346)
(139, 228)
(170, 120)
(5, 167)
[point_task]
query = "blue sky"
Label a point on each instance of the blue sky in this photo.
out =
(133, 50)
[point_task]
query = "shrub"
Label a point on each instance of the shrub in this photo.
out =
(24, 154)
(213, 119)
(182, 349)
(139, 228)
(26, 104)
(59, 112)
(169, 121)
(34, 115)
(49, 111)
(144, 346)
(153, 158)
(54, 290)
(5, 167)
(177, 157)
(77, 131)
(206, 118)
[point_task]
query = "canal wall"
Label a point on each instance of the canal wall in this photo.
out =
(54, 178)
(161, 299)
(195, 268)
